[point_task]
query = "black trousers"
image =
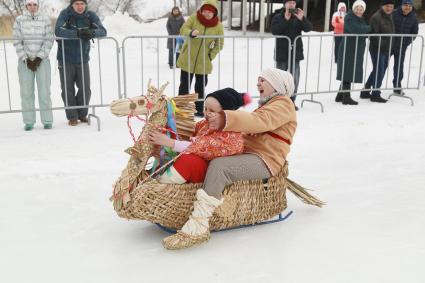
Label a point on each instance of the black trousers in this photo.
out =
(345, 86)
(200, 82)
(72, 74)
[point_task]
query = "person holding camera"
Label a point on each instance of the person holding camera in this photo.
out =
(79, 25)
(291, 23)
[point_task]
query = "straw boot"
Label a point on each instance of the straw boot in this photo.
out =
(196, 230)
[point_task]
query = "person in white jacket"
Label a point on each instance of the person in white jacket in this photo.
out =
(34, 63)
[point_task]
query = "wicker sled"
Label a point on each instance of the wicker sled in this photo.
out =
(137, 196)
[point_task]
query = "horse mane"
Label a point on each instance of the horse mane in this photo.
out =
(154, 105)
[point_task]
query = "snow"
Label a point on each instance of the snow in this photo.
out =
(365, 161)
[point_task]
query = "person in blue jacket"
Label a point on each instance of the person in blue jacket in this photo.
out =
(405, 22)
(78, 26)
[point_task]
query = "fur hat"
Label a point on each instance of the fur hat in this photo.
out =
(360, 3)
(31, 2)
(281, 81)
(386, 2)
(73, 1)
(230, 99)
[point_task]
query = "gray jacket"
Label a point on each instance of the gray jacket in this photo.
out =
(381, 23)
(37, 25)
(173, 28)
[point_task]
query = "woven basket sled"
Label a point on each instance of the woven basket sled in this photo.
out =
(137, 196)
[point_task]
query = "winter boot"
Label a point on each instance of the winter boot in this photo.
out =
(47, 126)
(365, 94)
(347, 100)
(339, 97)
(199, 105)
(28, 127)
(378, 98)
(196, 230)
(399, 92)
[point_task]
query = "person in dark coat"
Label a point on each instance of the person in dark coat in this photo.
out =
(405, 22)
(351, 53)
(174, 23)
(379, 49)
(290, 22)
(80, 25)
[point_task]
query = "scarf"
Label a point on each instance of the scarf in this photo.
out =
(208, 23)
(264, 100)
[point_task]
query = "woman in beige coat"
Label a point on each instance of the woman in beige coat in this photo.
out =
(268, 134)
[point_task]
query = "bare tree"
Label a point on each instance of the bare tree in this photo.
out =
(12, 7)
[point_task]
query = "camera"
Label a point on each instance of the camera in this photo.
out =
(293, 11)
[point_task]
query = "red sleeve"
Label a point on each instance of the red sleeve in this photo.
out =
(217, 144)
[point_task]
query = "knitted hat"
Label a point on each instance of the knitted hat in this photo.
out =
(284, 1)
(281, 81)
(31, 2)
(230, 99)
(340, 5)
(360, 3)
(73, 1)
(407, 2)
(386, 2)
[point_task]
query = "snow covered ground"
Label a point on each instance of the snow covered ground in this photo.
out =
(366, 162)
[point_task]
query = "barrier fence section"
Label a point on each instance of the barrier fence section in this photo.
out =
(318, 70)
(237, 65)
(105, 75)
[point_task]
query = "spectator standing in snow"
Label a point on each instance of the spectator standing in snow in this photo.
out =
(268, 134)
(79, 25)
(405, 22)
(34, 63)
(291, 23)
(203, 22)
(338, 25)
(174, 23)
(351, 52)
(379, 48)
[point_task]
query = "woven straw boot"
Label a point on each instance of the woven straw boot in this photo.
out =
(196, 230)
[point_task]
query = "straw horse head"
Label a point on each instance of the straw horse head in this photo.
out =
(154, 106)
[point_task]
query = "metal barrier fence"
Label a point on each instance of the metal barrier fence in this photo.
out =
(104, 69)
(237, 65)
(319, 75)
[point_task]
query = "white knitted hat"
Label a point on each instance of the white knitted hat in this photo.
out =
(359, 3)
(340, 5)
(281, 81)
(31, 2)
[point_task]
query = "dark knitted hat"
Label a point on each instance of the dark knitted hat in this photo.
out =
(230, 99)
(73, 1)
(386, 2)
